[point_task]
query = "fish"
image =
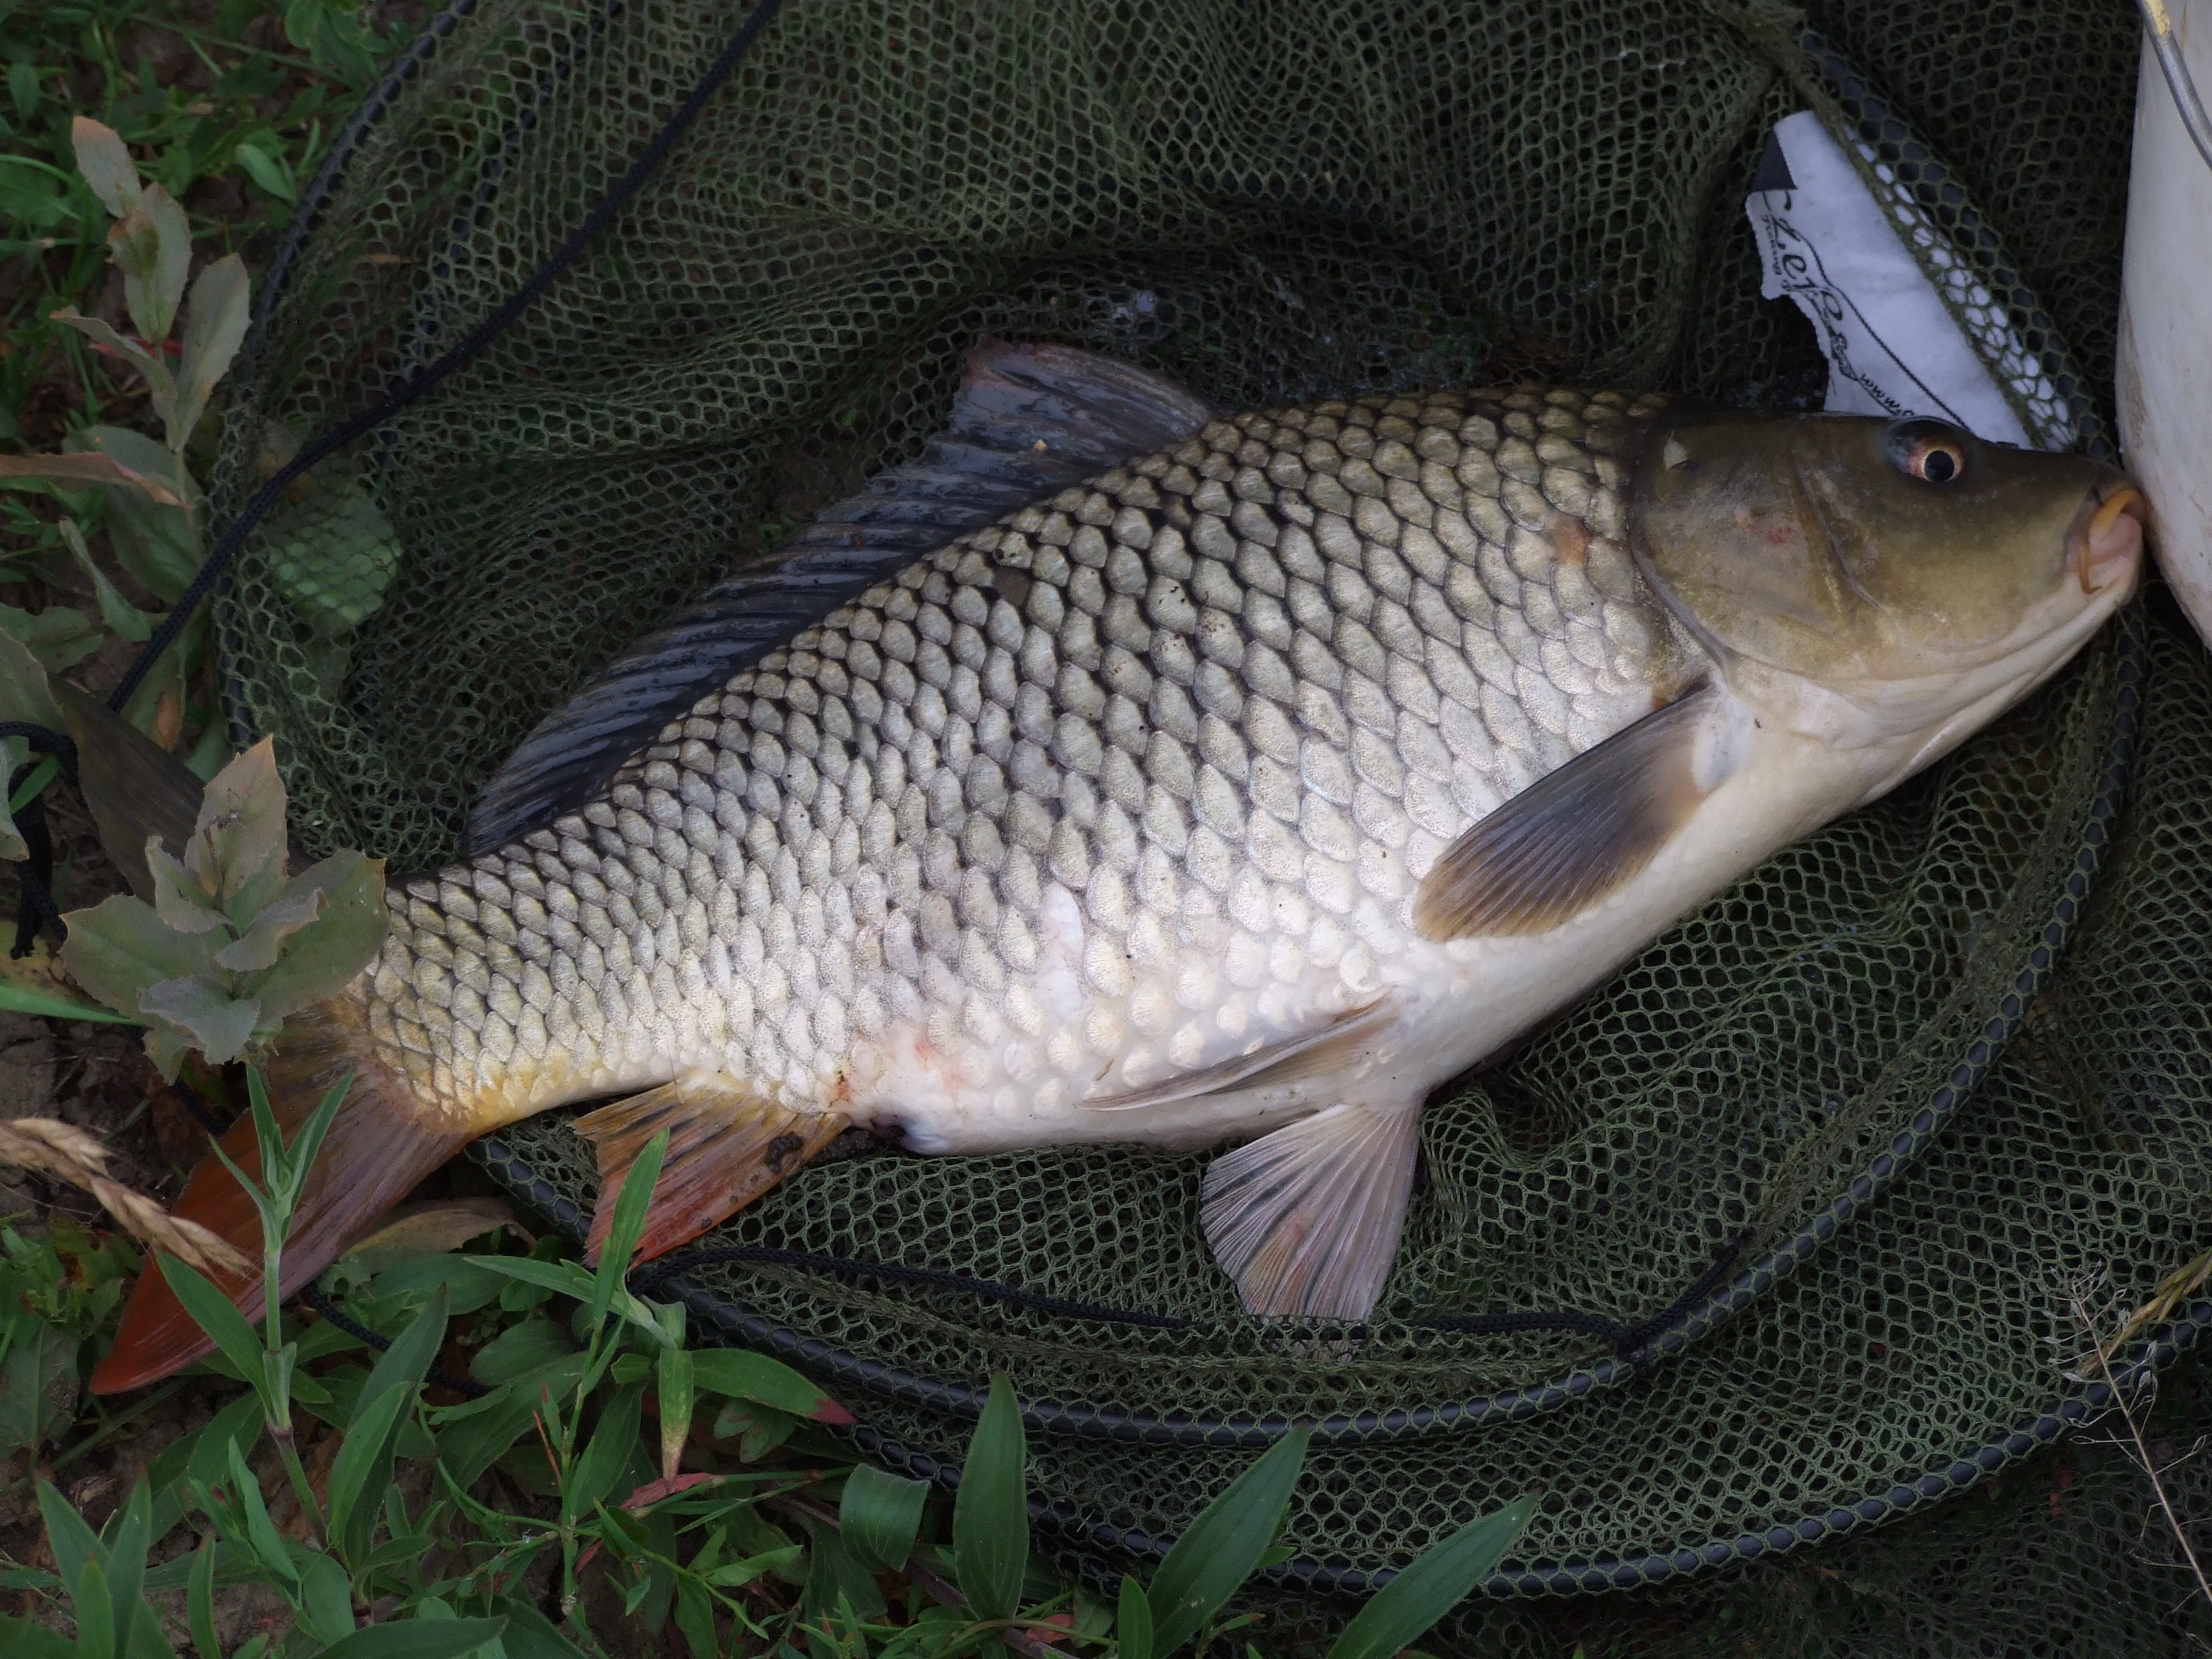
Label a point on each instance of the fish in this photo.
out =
(1125, 770)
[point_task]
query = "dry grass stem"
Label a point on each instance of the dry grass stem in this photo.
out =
(2175, 1288)
(2138, 1449)
(68, 1153)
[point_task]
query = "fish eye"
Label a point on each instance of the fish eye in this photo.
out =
(1932, 451)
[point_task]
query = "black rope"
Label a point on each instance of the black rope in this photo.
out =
(423, 380)
(35, 909)
(669, 1267)
(198, 1108)
(313, 1297)
(1624, 1339)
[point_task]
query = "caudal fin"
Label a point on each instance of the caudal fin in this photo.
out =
(377, 1148)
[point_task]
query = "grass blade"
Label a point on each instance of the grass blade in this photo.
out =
(214, 1313)
(367, 1451)
(1408, 1606)
(607, 1459)
(1133, 1622)
(417, 1638)
(1219, 1550)
(765, 1382)
(200, 1604)
(628, 1226)
(990, 1511)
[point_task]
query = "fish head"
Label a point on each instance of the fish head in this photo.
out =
(1884, 586)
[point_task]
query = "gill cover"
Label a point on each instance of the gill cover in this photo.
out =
(1853, 550)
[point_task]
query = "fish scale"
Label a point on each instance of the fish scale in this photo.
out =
(1170, 806)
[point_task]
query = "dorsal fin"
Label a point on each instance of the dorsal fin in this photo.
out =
(1029, 420)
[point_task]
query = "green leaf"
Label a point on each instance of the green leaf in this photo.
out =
(75, 1545)
(325, 1599)
(321, 958)
(745, 1376)
(122, 617)
(268, 171)
(24, 692)
(213, 1312)
(607, 1459)
(213, 328)
(154, 541)
(366, 1456)
(200, 1604)
(180, 902)
(530, 1634)
(628, 1226)
(120, 948)
(256, 947)
(218, 1024)
(58, 637)
(21, 1639)
(95, 1615)
(245, 1491)
(159, 383)
(389, 1393)
(520, 1348)
(237, 848)
(880, 1516)
(14, 753)
(1133, 1622)
(1407, 1608)
(736, 1574)
(758, 1430)
(151, 246)
(466, 1284)
(564, 1278)
(105, 165)
(677, 1400)
(126, 1563)
(474, 1437)
(990, 1510)
(24, 90)
(834, 1576)
(38, 1386)
(1219, 1550)
(417, 1638)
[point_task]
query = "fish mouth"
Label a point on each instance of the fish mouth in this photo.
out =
(2104, 547)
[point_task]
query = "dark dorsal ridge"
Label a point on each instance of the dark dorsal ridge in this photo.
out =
(1029, 420)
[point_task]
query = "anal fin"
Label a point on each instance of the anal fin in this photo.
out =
(726, 1148)
(1307, 1219)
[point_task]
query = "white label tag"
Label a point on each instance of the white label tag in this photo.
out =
(1893, 346)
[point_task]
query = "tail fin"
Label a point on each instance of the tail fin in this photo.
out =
(379, 1146)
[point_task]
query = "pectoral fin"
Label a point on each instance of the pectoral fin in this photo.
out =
(1573, 836)
(1306, 1220)
(726, 1148)
(1310, 1054)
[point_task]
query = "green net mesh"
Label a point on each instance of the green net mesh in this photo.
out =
(1816, 1171)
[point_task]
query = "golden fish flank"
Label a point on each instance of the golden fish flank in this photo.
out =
(1253, 787)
